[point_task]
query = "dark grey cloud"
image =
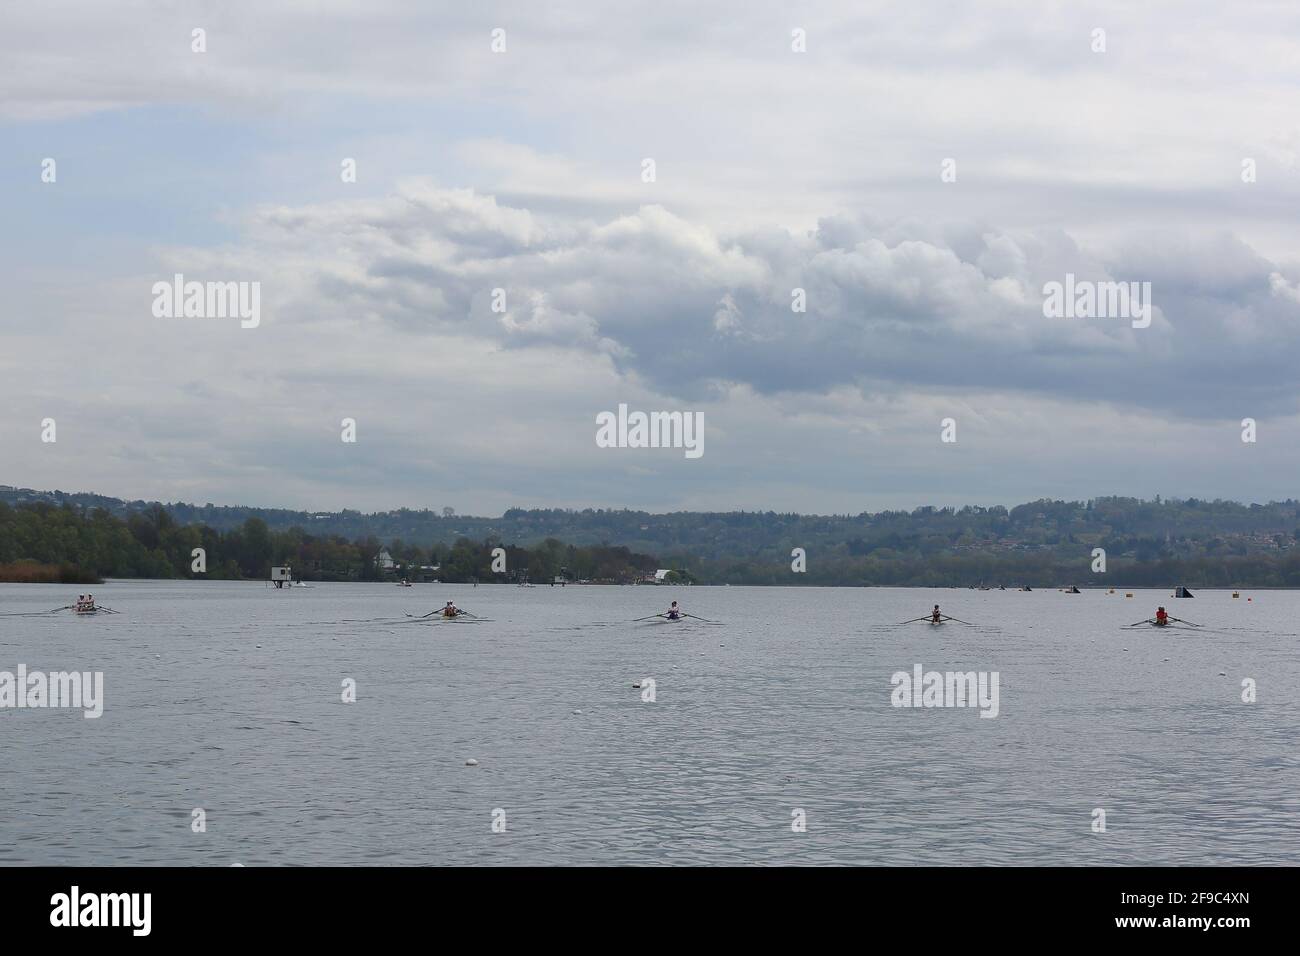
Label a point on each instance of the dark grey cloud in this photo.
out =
(890, 305)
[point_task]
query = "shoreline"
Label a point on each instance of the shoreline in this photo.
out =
(828, 587)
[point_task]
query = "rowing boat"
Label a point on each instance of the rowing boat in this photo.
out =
(86, 608)
(1152, 622)
(663, 618)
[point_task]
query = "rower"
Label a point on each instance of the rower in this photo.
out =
(1162, 616)
(673, 612)
(450, 610)
(935, 616)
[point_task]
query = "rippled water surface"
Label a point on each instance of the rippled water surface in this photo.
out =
(227, 696)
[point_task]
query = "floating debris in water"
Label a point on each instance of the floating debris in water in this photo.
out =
(471, 762)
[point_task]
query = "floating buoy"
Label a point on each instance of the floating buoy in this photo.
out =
(636, 684)
(471, 762)
(1223, 673)
(578, 713)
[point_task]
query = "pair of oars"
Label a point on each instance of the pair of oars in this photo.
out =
(930, 617)
(1151, 620)
(438, 610)
(665, 617)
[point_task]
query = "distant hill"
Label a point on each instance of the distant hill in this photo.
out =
(1042, 542)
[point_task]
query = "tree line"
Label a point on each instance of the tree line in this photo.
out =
(1043, 544)
(43, 542)
(1142, 530)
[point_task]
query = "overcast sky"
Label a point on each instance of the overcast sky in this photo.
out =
(775, 169)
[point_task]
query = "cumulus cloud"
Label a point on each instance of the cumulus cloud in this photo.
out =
(692, 311)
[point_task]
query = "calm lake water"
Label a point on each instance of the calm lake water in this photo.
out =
(227, 696)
